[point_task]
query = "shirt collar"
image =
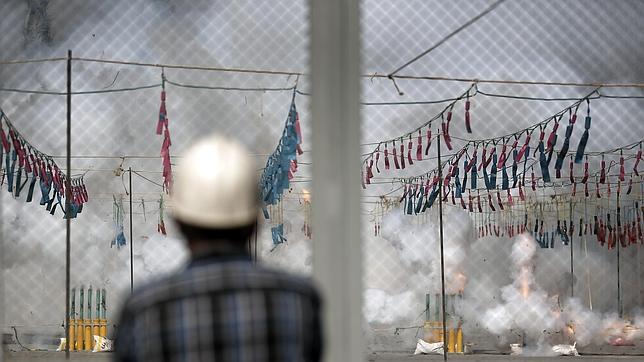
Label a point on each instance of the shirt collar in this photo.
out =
(219, 251)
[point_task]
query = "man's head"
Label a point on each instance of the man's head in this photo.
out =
(215, 194)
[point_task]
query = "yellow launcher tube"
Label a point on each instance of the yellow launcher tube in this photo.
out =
(459, 340)
(428, 332)
(79, 335)
(96, 330)
(438, 332)
(103, 329)
(451, 339)
(88, 335)
(72, 334)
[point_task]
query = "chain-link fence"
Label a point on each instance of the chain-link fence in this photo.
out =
(496, 295)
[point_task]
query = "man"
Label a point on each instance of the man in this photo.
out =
(222, 307)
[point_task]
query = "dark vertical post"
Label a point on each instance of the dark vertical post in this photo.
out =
(131, 239)
(572, 266)
(618, 242)
(440, 216)
(639, 246)
(68, 193)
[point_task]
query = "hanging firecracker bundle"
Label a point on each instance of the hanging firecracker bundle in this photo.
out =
(162, 128)
(280, 167)
(24, 164)
(306, 206)
(396, 156)
(117, 218)
(161, 223)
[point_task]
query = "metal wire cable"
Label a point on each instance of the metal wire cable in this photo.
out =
(447, 37)
(370, 75)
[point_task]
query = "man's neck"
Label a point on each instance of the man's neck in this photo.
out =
(206, 248)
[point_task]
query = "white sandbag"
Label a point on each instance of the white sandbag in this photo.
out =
(565, 349)
(423, 347)
(62, 345)
(102, 344)
(516, 349)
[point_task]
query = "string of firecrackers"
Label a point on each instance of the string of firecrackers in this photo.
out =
(383, 206)
(118, 212)
(161, 222)
(162, 128)
(416, 197)
(627, 233)
(23, 159)
(446, 116)
(280, 167)
(306, 208)
(627, 229)
(599, 176)
(419, 150)
(516, 154)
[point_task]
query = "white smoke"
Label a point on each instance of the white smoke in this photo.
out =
(414, 243)
(545, 319)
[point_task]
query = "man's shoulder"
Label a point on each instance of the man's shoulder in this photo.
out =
(211, 279)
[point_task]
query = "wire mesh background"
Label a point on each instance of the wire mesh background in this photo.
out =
(587, 41)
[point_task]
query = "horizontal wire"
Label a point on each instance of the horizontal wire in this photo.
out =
(249, 89)
(26, 61)
(281, 89)
(99, 91)
(189, 67)
(371, 75)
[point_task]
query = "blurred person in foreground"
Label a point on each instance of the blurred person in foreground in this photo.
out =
(222, 306)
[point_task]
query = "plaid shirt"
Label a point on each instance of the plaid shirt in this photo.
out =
(222, 308)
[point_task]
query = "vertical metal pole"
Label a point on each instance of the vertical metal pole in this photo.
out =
(590, 295)
(639, 246)
(335, 110)
(131, 239)
(572, 260)
(619, 286)
(68, 193)
(440, 228)
(619, 281)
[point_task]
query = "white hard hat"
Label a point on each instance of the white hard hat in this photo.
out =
(216, 186)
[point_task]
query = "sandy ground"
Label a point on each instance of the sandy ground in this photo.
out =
(375, 357)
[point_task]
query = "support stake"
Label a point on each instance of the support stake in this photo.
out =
(440, 215)
(68, 194)
(131, 239)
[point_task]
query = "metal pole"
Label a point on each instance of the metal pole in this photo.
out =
(617, 241)
(131, 239)
(572, 260)
(335, 134)
(68, 193)
(440, 228)
(590, 295)
(639, 246)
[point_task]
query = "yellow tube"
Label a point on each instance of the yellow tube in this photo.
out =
(72, 334)
(438, 331)
(79, 334)
(96, 329)
(103, 329)
(451, 338)
(88, 335)
(459, 340)
(428, 332)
